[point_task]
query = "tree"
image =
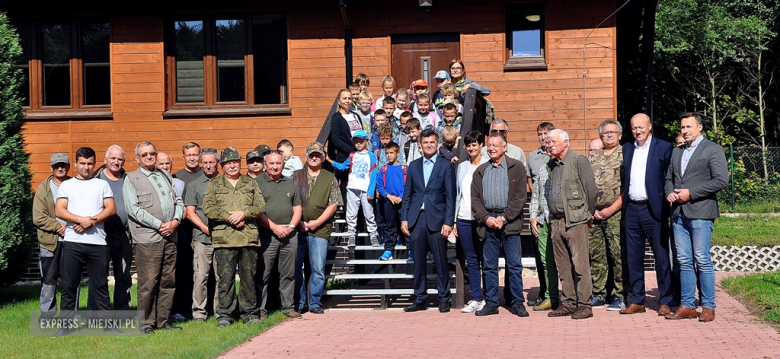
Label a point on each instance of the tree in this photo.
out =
(696, 38)
(17, 235)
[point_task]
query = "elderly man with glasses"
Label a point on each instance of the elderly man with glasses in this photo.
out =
(604, 232)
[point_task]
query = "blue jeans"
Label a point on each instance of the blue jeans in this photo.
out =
(472, 250)
(317, 249)
(693, 238)
(514, 265)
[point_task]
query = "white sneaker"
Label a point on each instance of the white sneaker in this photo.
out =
(472, 306)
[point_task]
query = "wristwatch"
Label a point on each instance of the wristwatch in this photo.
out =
(503, 219)
(291, 226)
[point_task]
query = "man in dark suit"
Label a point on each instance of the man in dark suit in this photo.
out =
(697, 172)
(646, 213)
(427, 216)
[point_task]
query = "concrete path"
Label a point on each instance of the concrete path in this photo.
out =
(395, 334)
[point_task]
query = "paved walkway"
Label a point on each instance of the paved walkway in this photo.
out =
(395, 334)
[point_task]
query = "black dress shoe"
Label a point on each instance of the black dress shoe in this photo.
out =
(168, 326)
(415, 307)
(486, 310)
(317, 310)
(536, 301)
(444, 307)
(148, 330)
(520, 310)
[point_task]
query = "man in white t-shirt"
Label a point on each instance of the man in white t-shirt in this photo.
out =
(84, 203)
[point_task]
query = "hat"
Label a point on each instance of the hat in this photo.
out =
(315, 147)
(230, 154)
(253, 154)
(262, 149)
(360, 134)
(442, 75)
(59, 157)
(420, 83)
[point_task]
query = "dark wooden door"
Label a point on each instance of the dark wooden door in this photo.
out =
(421, 56)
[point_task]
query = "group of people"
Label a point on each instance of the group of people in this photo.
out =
(394, 159)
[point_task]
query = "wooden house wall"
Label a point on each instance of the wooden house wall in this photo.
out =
(316, 71)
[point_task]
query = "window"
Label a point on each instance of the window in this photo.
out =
(227, 63)
(66, 68)
(525, 37)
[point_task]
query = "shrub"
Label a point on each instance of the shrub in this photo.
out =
(17, 237)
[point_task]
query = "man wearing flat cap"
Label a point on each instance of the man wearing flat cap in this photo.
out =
(50, 230)
(320, 195)
(233, 202)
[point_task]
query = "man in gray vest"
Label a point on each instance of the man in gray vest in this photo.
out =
(320, 195)
(572, 203)
(119, 246)
(154, 210)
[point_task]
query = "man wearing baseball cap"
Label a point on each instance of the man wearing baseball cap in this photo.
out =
(320, 196)
(50, 230)
(254, 163)
(233, 202)
(442, 77)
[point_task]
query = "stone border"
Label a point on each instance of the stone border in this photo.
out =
(745, 258)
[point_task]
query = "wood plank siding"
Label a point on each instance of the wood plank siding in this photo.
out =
(316, 71)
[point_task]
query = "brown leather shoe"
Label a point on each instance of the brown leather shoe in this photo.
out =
(683, 313)
(293, 314)
(633, 309)
(582, 312)
(664, 310)
(562, 311)
(707, 315)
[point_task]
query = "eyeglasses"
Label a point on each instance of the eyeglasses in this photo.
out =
(60, 165)
(498, 131)
(610, 133)
(149, 154)
(456, 68)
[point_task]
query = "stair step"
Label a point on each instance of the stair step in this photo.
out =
(366, 248)
(379, 276)
(379, 291)
(374, 261)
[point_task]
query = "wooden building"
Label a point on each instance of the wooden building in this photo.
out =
(239, 73)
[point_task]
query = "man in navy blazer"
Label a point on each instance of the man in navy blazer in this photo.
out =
(646, 214)
(427, 216)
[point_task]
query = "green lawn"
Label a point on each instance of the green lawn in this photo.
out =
(746, 231)
(197, 340)
(760, 290)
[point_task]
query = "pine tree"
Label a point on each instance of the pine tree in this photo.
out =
(17, 237)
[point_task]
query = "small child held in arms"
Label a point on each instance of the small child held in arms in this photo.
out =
(291, 163)
(451, 96)
(449, 144)
(380, 118)
(388, 91)
(450, 117)
(401, 102)
(364, 111)
(442, 78)
(361, 187)
(428, 119)
(390, 185)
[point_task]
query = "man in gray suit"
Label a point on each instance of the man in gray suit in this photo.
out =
(696, 173)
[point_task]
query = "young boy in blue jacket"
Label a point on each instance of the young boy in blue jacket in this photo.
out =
(361, 186)
(390, 185)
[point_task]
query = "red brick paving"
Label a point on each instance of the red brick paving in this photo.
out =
(395, 334)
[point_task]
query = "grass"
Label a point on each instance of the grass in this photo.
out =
(761, 291)
(746, 231)
(768, 206)
(197, 340)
